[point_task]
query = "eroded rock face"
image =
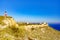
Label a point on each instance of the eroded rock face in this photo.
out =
(6, 22)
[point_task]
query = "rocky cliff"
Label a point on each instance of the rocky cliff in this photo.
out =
(7, 22)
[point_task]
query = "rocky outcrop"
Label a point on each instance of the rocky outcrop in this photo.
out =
(7, 22)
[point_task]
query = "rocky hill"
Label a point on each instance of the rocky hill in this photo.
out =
(7, 21)
(9, 30)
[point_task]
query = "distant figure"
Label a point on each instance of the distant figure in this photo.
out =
(5, 13)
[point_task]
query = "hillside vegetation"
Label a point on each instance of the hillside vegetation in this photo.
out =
(24, 32)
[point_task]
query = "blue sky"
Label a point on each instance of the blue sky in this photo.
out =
(32, 10)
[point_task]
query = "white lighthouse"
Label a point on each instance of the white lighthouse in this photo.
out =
(5, 13)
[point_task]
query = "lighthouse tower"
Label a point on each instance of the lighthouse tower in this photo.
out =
(5, 13)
